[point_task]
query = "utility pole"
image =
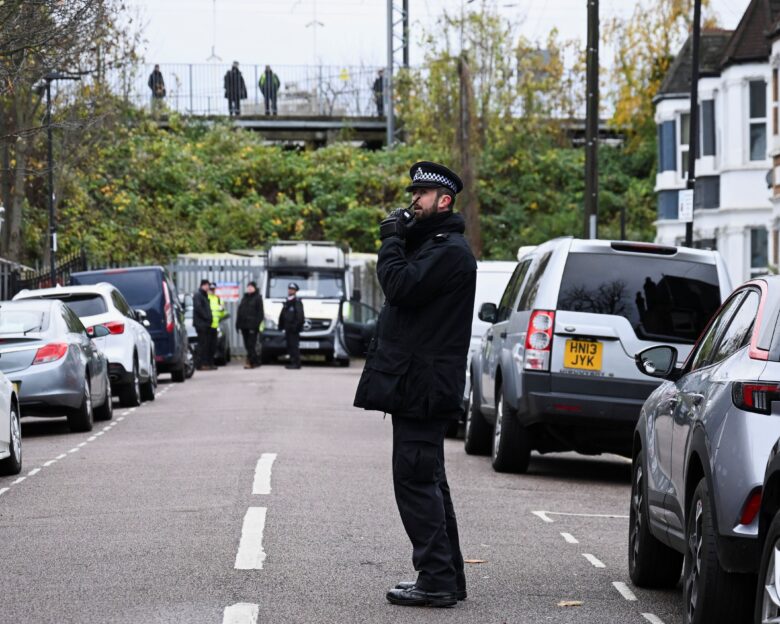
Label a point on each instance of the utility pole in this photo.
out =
(405, 19)
(388, 90)
(592, 124)
(693, 126)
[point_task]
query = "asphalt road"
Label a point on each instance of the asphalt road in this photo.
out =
(261, 495)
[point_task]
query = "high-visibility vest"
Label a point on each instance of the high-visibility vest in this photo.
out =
(217, 310)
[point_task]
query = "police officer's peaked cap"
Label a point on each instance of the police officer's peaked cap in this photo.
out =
(426, 174)
(293, 285)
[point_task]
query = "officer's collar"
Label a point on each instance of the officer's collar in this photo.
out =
(439, 223)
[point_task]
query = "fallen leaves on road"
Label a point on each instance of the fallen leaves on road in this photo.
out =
(475, 561)
(570, 603)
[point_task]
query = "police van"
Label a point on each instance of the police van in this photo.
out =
(337, 325)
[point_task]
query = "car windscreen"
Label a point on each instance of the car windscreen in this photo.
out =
(312, 284)
(664, 299)
(16, 321)
(84, 305)
(140, 288)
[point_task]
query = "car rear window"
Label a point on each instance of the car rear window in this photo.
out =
(85, 305)
(140, 288)
(663, 298)
(15, 321)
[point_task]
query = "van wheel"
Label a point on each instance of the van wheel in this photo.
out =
(476, 438)
(130, 395)
(82, 418)
(650, 563)
(149, 387)
(12, 465)
(710, 594)
(511, 441)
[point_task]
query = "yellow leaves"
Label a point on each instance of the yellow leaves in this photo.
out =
(533, 206)
(276, 221)
(299, 226)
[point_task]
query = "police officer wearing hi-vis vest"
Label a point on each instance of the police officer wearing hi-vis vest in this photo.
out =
(416, 371)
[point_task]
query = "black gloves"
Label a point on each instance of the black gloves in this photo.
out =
(396, 223)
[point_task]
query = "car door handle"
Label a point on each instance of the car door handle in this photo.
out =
(502, 334)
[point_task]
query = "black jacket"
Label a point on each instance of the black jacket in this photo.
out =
(291, 317)
(416, 364)
(250, 312)
(157, 84)
(235, 87)
(201, 310)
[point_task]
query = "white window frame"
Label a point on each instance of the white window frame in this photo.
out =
(755, 121)
(683, 148)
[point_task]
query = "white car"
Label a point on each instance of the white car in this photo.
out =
(128, 346)
(10, 429)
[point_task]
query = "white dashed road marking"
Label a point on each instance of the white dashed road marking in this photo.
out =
(570, 539)
(653, 619)
(624, 591)
(250, 549)
(3, 490)
(593, 561)
(49, 463)
(543, 515)
(262, 483)
(33, 472)
(241, 613)
(61, 456)
(19, 480)
(74, 450)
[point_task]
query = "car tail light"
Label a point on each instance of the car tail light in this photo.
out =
(115, 327)
(168, 310)
(755, 396)
(538, 340)
(50, 353)
(752, 505)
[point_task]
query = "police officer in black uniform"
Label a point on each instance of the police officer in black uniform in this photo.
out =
(291, 321)
(416, 369)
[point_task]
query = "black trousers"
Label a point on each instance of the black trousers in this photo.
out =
(234, 106)
(205, 354)
(270, 103)
(250, 344)
(423, 498)
(293, 339)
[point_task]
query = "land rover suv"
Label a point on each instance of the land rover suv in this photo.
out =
(555, 371)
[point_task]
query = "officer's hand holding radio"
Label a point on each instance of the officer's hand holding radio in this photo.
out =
(396, 223)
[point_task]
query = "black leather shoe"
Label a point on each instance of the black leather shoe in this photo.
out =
(460, 594)
(413, 597)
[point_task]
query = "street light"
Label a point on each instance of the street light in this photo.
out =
(45, 85)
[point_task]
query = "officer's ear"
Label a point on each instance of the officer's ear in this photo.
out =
(445, 201)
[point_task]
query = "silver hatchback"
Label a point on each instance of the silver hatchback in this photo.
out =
(699, 453)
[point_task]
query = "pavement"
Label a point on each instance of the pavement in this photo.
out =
(262, 495)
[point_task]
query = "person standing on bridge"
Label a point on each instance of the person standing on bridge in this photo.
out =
(269, 87)
(291, 321)
(235, 89)
(379, 92)
(157, 87)
(416, 371)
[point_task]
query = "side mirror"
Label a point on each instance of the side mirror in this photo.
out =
(660, 362)
(97, 331)
(140, 315)
(488, 313)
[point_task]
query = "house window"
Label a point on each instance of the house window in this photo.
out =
(666, 146)
(759, 253)
(683, 145)
(775, 100)
(707, 134)
(757, 120)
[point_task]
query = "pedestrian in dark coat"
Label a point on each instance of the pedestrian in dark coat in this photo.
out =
(291, 320)
(201, 321)
(235, 89)
(250, 315)
(157, 87)
(379, 92)
(416, 369)
(269, 87)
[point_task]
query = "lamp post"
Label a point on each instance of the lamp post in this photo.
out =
(48, 79)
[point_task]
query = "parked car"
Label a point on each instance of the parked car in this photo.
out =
(555, 369)
(10, 429)
(56, 365)
(128, 345)
(767, 607)
(222, 354)
(699, 455)
(150, 288)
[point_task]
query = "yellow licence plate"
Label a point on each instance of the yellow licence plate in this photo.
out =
(583, 354)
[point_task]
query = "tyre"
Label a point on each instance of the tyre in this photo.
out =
(710, 594)
(189, 364)
(106, 411)
(179, 374)
(12, 464)
(130, 395)
(767, 599)
(82, 418)
(511, 441)
(149, 387)
(476, 439)
(651, 563)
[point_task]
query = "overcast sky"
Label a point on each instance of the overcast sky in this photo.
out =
(348, 32)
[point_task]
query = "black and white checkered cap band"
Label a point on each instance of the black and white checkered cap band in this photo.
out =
(429, 176)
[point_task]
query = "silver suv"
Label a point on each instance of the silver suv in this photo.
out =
(556, 371)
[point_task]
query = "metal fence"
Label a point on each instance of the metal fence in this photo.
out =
(15, 277)
(305, 90)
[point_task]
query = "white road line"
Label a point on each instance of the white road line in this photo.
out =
(250, 549)
(19, 480)
(99, 433)
(653, 619)
(577, 515)
(570, 539)
(49, 463)
(120, 419)
(241, 613)
(262, 483)
(125, 413)
(61, 456)
(594, 562)
(74, 450)
(543, 515)
(624, 591)
(33, 472)
(92, 438)
(3, 491)
(82, 444)
(107, 428)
